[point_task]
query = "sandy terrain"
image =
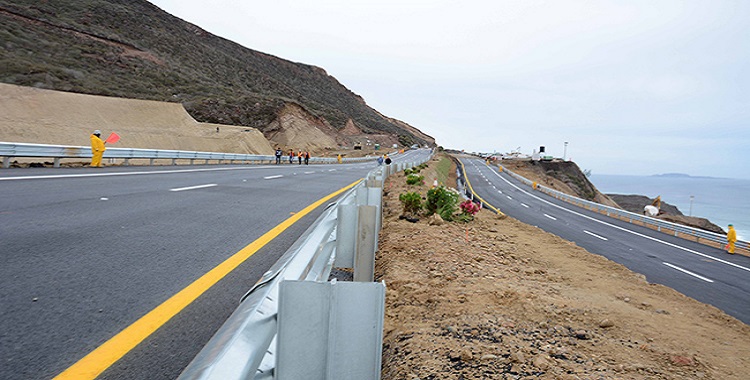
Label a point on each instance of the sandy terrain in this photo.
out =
(52, 117)
(498, 299)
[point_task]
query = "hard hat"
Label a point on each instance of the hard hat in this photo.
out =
(97, 132)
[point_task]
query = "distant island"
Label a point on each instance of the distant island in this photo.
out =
(679, 175)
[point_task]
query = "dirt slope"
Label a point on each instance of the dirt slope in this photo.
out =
(499, 299)
(52, 117)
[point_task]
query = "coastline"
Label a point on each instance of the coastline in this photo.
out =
(722, 201)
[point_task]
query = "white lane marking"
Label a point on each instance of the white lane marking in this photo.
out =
(331, 170)
(103, 199)
(551, 217)
(309, 172)
(625, 229)
(508, 196)
(595, 235)
(524, 205)
(273, 176)
(193, 187)
(55, 176)
(688, 272)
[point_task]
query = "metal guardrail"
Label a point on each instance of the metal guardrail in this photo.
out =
(660, 225)
(9, 150)
(248, 345)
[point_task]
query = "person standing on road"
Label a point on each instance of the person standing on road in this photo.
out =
(97, 149)
(291, 156)
(279, 152)
(731, 239)
(307, 158)
(380, 160)
(299, 157)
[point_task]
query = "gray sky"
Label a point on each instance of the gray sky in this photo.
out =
(635, 87)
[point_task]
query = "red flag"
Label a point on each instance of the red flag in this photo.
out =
(113, 138)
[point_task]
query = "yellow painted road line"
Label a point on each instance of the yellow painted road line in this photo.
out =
(466, 177)
(96, 362)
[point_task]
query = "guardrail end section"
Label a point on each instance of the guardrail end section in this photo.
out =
(330, 330)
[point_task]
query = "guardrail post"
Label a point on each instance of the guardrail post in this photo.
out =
(6, 162)
(174, 161)
(346, 235)
(330, 330)
(367, 238)
(56, 163)
(192, 161)
(151, 161)
(126, 162)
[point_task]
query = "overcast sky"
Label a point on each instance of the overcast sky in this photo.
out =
(635, 87)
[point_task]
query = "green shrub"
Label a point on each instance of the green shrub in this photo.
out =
(442, 201)
(412, 202)
(413, 179)
(408, 172)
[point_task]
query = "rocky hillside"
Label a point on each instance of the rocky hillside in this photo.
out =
(668, 212)
(562, 176)
(133, 49)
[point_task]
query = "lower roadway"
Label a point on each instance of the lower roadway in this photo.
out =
(707, 274)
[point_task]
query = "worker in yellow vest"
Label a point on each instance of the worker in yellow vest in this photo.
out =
(97, 149)
(731, 239)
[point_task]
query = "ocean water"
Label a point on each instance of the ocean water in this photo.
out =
(720, 200)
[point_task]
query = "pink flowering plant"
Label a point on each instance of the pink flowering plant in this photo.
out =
(468, 207)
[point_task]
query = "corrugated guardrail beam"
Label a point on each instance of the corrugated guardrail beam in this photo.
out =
(9, 150)
(246, 347)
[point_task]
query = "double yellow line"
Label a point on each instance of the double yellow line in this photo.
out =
(468, 183)
(96, 362)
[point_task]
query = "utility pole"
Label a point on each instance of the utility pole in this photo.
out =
(565, 152)
(691, 205)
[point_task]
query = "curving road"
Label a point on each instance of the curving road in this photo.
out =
(707, 274)
(87, 252)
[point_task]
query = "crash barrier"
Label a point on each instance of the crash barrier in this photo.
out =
(701, 236)
(10, 150)
(294, 323)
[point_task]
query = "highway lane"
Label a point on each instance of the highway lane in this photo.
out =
(86, 252)
(704, 273)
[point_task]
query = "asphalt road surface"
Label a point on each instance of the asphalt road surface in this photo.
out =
(86, 252)
(707, 274)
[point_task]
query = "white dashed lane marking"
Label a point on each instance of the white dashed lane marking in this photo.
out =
(551, 217)
(193, 187)
(688, 272)
(273, 176)
(524, 205)
(595, 235)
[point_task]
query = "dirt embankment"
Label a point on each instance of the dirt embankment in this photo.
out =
(499, 299)
(32, 115)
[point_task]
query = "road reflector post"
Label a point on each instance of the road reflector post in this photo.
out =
(330, 330)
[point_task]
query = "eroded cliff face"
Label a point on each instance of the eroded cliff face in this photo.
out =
(30, 115)
(562, 176)
(296, 128)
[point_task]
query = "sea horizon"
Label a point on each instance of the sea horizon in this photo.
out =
(723, 201)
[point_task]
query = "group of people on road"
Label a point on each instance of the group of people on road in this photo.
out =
(301, 156)
(384, 159)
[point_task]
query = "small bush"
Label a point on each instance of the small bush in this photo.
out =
(413, 179)
(408, 172)
(411, 202)
(468, 207)
(442, 201)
